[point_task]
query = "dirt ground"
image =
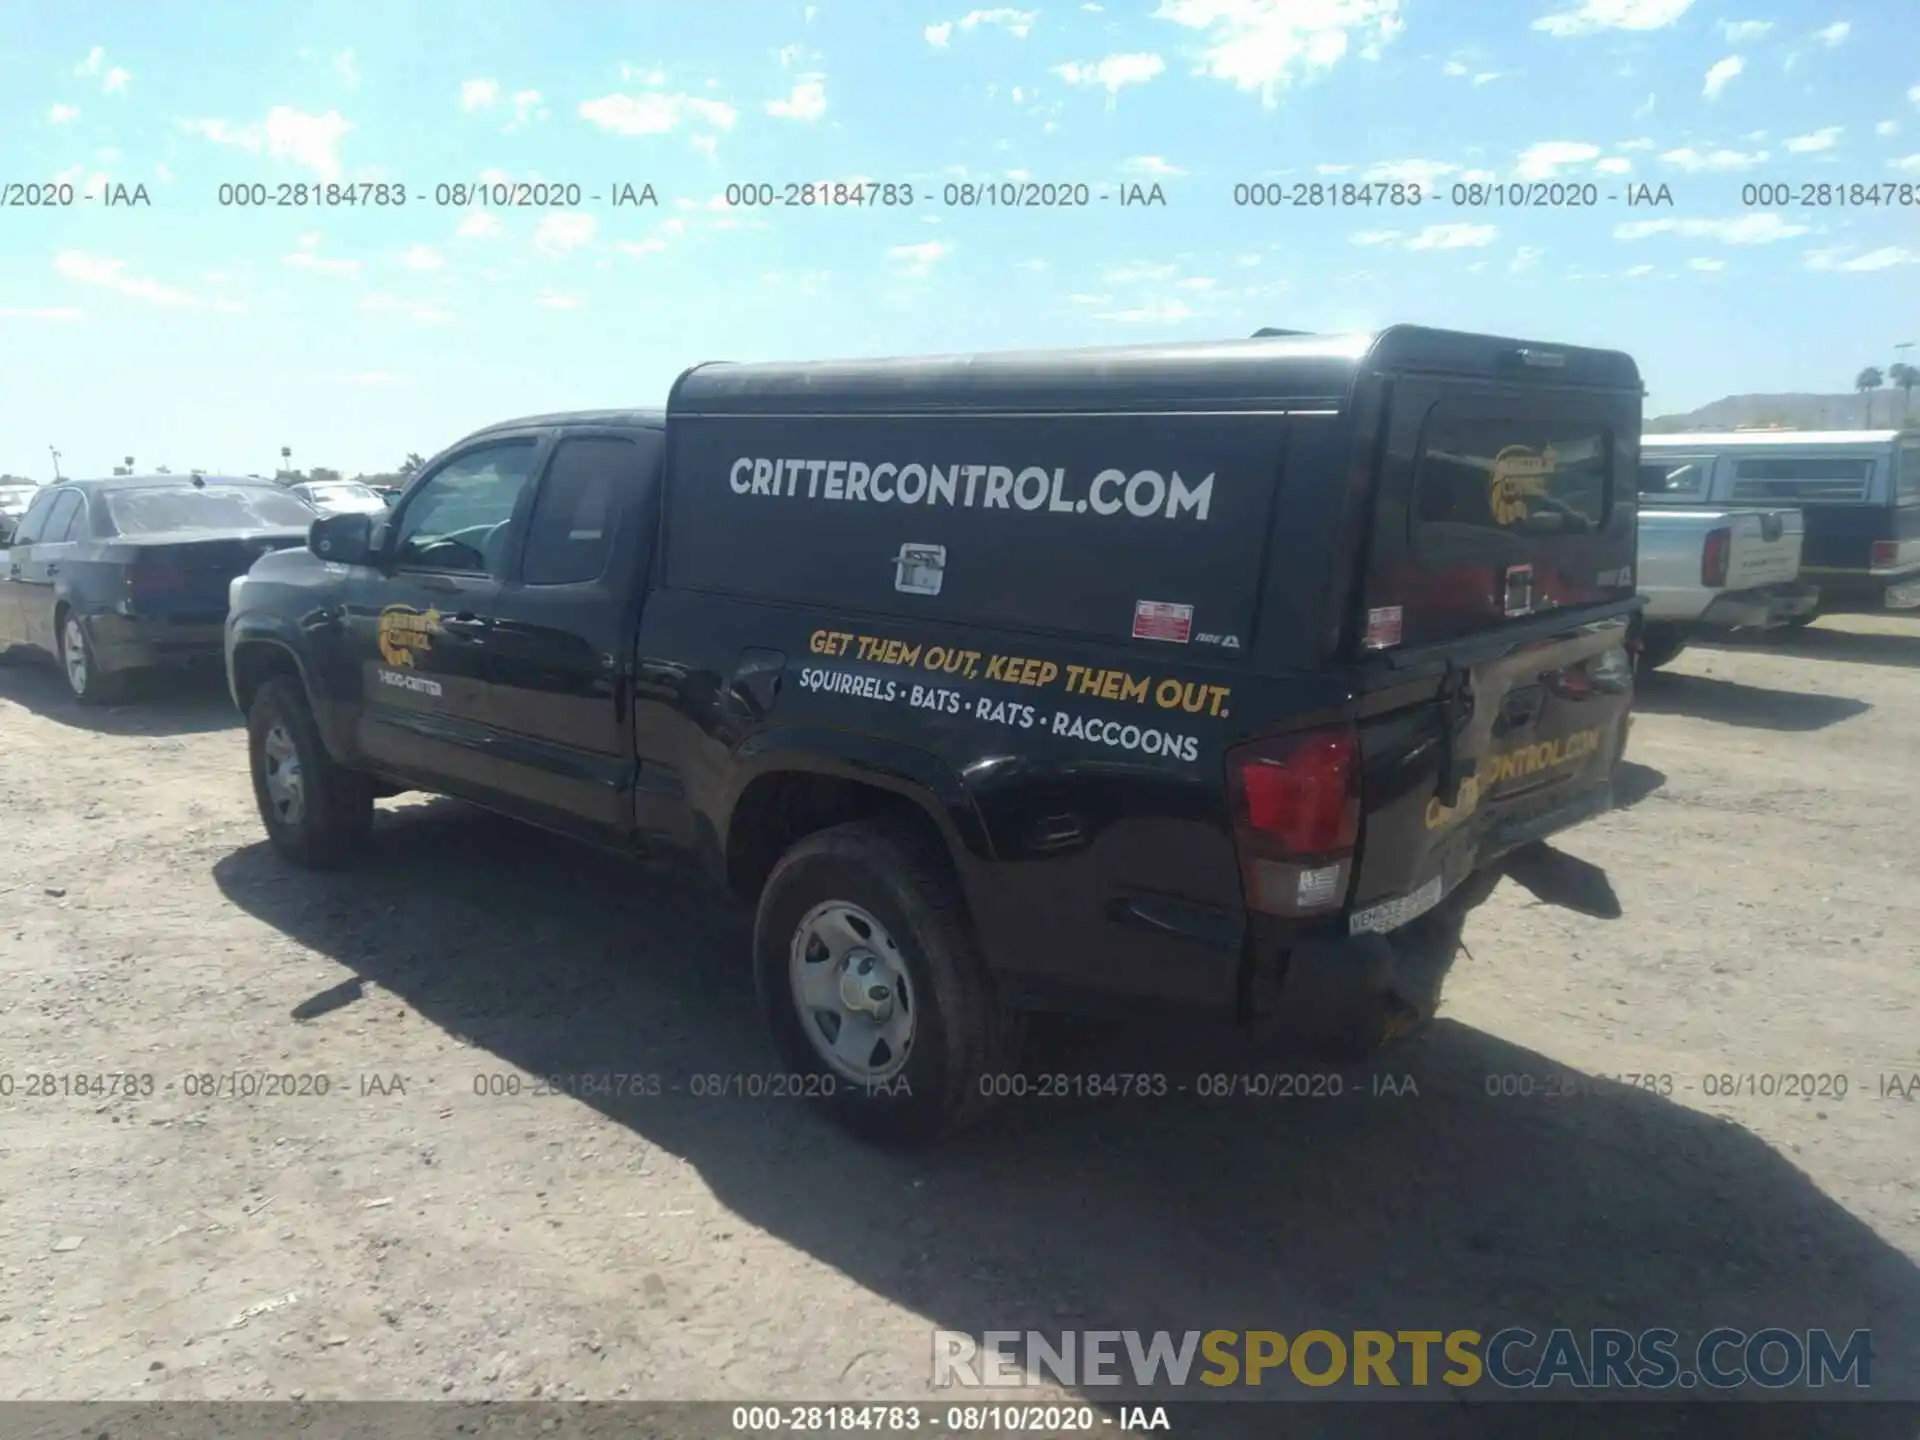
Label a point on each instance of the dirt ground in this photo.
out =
(420, 1231)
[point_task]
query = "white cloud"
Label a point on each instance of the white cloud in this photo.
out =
(1152, 166)
(346, 67)
(1824, 138)
(478, 94)
(1596, 15)
(807, 101)
(1113, 72)
(92, 65)
(1017, 23)
(707, 145)
(1738, 32)
(561, 233)
(1374, 237)
(61, 114)
(1525, 258)
(527, 106)
(1453, 67)
(400, 305)
(1884, 258)
(1633, 270)
(1452, 237)
(305, 259)
(655, 113)
(1887, 128)
(553, 300)
(1906, 162)
(1914, 95)
(113, 79)
(939, 35)
(421, 257)
(1614, 165)
(1694, 161)
(1721, 74)
(40, 312)
(1265, 45)
(1544, 160)
(1486, 77)
(481, 225)
(1641, 144)
(917, 260)
(1761, 227)
(1140, 273)
(1423, 173)
(110, 274)
(1833, 34)
(1163, 311)
(310, 141)
(1705, 265)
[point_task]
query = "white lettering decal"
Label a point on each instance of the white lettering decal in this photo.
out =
(1141, 494)
(1123, 736)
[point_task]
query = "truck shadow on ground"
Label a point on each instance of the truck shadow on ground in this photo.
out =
(1825, 641)
(1733, 702)
(1417, 1195)
(192, 702)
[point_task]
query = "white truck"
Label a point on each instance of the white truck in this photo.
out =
(1707, 568)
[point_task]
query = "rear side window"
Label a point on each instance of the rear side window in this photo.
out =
(35, 520)
(1674, 477)
(574, 516)
(1483, 476)
(1801, 477)
(1907, 474)
(64, 509)
(1147, 528)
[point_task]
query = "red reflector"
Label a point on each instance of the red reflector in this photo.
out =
(1886, 552)
(1299, 792)
(156, 577)
(1713, 560)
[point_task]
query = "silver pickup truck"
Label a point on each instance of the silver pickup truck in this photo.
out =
(1706, 568)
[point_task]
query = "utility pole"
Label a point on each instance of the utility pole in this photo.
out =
(56, 463)
(1900, 358)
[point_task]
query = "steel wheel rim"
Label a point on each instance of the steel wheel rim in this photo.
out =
(852, 993)
(281, 776)
(73, 654)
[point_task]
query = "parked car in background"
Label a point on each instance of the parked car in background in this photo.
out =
(1705, 568)
(341, 497)
(14, 500)
(113, 576)
(1858, 489)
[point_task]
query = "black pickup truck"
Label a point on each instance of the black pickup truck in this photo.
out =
(1227, 676)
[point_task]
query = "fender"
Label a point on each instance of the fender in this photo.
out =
(906, 770)
(282, 634)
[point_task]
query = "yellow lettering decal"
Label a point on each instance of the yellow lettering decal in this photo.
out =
(996, 667)
(1132, 689)
(1337, 1358)
(910, 654)
(1459, 1351)
(1420, 1340)
(1371, 1351)
(404, 632)
(1216, 1342)
(1048, 672)
(1266, 1350)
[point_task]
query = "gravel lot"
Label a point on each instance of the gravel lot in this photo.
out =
(406, 1235)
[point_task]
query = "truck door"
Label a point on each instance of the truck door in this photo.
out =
(559, 654)
(417, 620)
(1501, 509)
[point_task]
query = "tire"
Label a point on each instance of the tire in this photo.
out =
(1659, 645)
(1800, 622)
(86, 681)
(330, 822)
(843, 881)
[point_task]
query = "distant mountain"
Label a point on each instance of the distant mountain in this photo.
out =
(1796, 412)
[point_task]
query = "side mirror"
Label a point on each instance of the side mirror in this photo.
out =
(8, 527)
(342, 539)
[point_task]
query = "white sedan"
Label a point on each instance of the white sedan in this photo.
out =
(340, 497)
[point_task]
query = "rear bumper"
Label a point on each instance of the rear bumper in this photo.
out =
(1343, 995)
(1768, 606)
(123, 642)
(1863, 592)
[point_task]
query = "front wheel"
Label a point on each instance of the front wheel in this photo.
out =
(317, 814)
(1659, 645)
(872, 988)
(88, 683)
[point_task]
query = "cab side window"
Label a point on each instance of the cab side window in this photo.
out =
(577, 509)
(35, 520)
(59, 518)
(70, 524)
(457, 518)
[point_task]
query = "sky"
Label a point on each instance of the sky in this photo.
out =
(151, 305)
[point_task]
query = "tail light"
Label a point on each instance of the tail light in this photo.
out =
(1296, 815)
(153, 577)
(1713, 561)
(1886, 553)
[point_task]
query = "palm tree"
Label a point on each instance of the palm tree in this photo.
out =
(1904, 377)
(412, 463)
(1866, 382)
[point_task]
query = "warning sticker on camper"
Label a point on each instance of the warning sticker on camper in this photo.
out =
(1162, 620)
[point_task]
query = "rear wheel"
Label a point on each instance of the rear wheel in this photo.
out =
(89, 684)
(872, 988)
(1659, 645)
(317, 814)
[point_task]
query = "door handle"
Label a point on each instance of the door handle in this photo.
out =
(465, 624)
